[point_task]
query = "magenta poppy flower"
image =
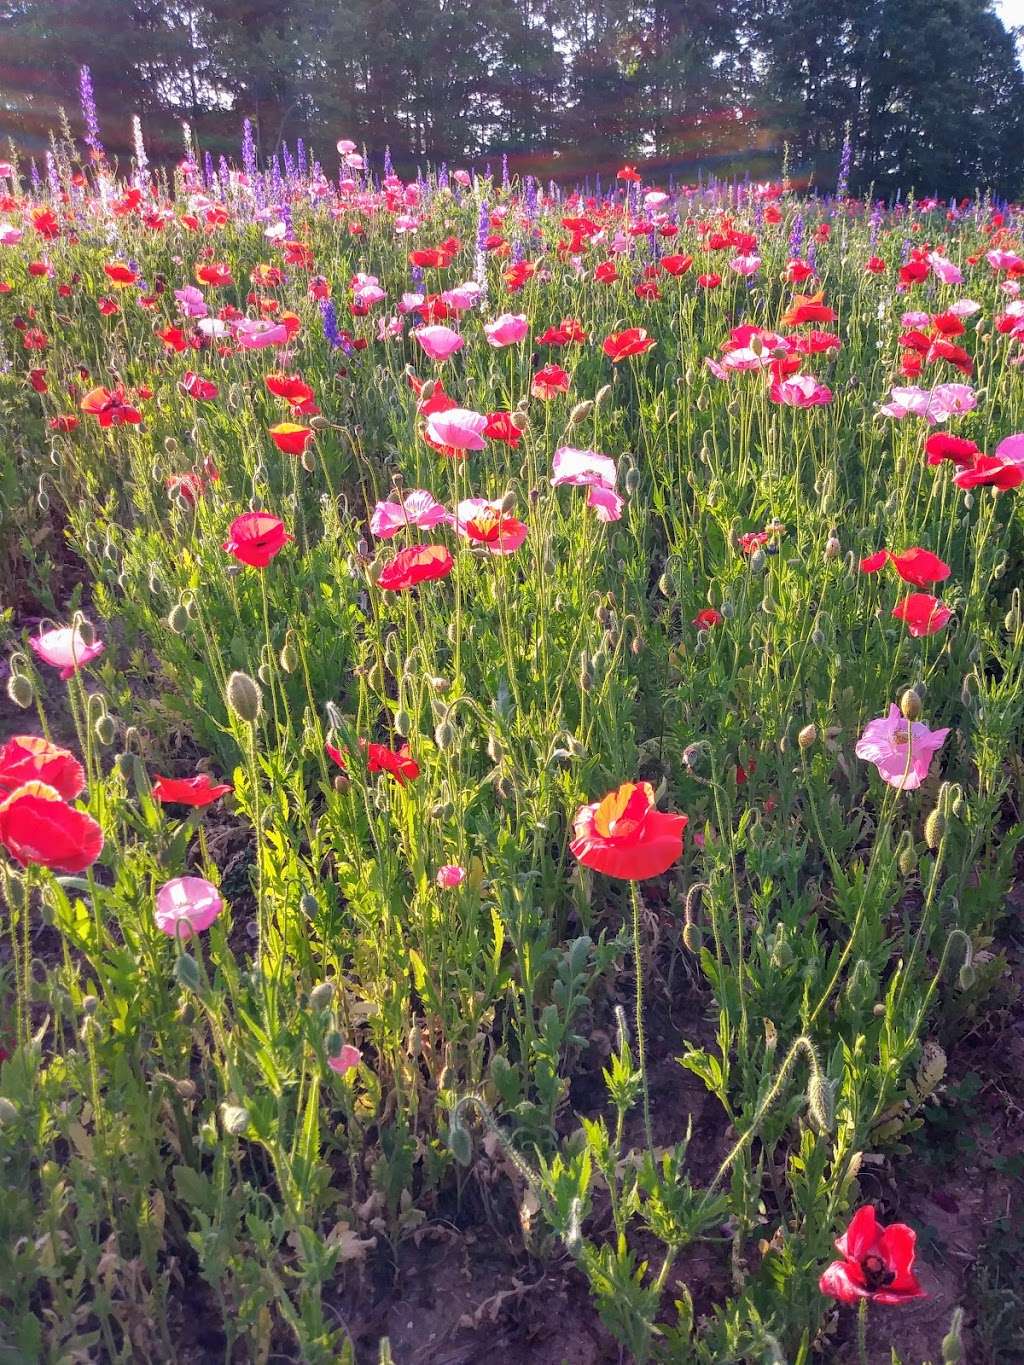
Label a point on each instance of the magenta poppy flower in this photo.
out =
(508, 330)
(348, 1058)
(64, 648)
(418, 508)
(451, 874)
(800, 391)
(255, 538)
(900, 749)
(459, 428)
(439, 342)
(187, 905)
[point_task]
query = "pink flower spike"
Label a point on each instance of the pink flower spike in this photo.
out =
(901, 750)
(187, 905)
(64, 648)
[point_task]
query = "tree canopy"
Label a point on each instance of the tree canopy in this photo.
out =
(932, 89)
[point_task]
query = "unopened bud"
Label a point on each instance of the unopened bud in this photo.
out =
(519, 420)
(321, 996)
(808, 736)
(244, 697)
(289, 656)
(186, 972)
(235, 1119)
(820, 1103)
(910, 704)
(444, 735)
(832, 548)
(580, 413)
(20, 690)
(178, 619)
(934, 829)
(309, 905)
(952, 1343)
(318, 423)
(104, 729)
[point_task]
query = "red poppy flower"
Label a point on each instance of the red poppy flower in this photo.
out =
(922, 613)
(956, 355)
(500, 427)
(797, 271)
(626, 836)
(297, 253)
(380, 759)
(606, 273)
(708, 617)
(496, 534)
(914, 272)
(430, 258)
(66, 422)
(291, 438)
(37, 378)
(633, 341)
(709, 281)
(110, 407)
(628, 173)
(255, 538)
(942, 446)
(991, 471)
(198, 387)
(37, 827)
(291, 387)
(173, 338)
(413, 565)
(197, 791)
(816, 343)
(549, 382)
(217, 274)
(30, 758)
(874, 265)
(917, 566)
(808, 308)
(877, 1264)
(45, 224)
(676, 265)
(120, 274)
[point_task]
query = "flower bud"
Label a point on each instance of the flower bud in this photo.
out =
(519, 420)
(934, 829)
(444, 735)
(289, 656)
(186, 972)
(318, 423)
(952, 1343)
(20, 690)
(910, 705)
(244, 698)
(808, 736)
(832, 548)
(104, 729)
(321, 996)
(632, 482)
(178, 619)
(235, 1119)
(580, 413)
(309, 905)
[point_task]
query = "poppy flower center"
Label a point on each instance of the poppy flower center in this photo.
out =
(876, 1273)
(621, 813)
(901, 737)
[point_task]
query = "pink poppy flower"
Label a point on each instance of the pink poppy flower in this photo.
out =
(745, 265)
(582, 468)
(742, 358)
(64, 648)
(507, 330)
(409, 302)
(450, 875)
(800, 391)
(460, 428)
(439, 342)
(944, 269)
(187, 905)
(348, 1058)
(1003, 260)
(605, 502)
(900, 749)
(483, 524)
(252, 334)
(462, 297)
(417, 508)
(368, 294)
(191, 303)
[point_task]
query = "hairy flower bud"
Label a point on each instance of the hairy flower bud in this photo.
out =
(910, 705)
(244, 697)
(20, 690)
(934, 829)
(808, 736)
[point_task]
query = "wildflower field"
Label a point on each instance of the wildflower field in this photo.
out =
(512, 760)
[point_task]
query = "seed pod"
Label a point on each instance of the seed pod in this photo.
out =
(519, 420)
(244, 697)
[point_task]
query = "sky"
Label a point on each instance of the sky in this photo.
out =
(1011, 12)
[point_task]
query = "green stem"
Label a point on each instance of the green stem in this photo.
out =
(641, 1046)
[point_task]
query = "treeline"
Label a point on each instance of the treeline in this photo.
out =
(932, 89)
